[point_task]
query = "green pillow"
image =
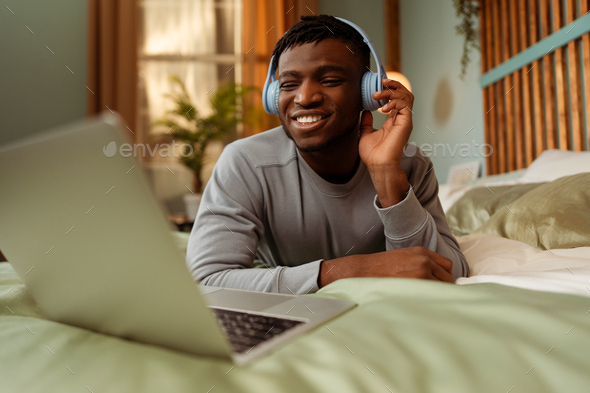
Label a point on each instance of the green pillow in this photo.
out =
(553, 215)
(479, 204)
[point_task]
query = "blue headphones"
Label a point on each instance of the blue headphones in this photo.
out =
(370, 83)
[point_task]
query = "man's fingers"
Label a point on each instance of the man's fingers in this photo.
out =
(394, 85)
(441, 274)
(400, 101)
(393, 89)
(399, 105)
(366, 126)
(388, 91)
(443, 262)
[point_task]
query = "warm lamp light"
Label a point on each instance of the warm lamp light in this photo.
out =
(397, 76)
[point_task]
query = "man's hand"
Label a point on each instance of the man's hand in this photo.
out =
(382, 150)
(413, 262)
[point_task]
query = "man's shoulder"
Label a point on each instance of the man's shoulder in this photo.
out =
(267, 148)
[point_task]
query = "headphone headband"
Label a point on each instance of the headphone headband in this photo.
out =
(371, 82)
(367, 41)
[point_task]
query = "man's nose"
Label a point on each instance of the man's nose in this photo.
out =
(308, 94)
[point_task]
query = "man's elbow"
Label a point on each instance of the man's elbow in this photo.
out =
(460, 266)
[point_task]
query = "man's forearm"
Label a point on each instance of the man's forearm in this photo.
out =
(391, 185)
(336, 269)
(412, 262)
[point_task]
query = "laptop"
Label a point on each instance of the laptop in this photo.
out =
(90, 241)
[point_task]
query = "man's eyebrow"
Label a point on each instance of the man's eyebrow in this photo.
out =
(319, 70)
(289, 73)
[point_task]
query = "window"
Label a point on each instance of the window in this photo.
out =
(198, 40)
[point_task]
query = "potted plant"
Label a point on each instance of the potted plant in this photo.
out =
(184, 123)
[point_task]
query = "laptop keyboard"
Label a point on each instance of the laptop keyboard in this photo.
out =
(244, 330)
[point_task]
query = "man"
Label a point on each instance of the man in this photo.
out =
(310, 201)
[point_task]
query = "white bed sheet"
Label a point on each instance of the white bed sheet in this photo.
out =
(494, 259)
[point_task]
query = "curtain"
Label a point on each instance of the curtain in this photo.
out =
(264, 23)
(112, 58)
(175, 29)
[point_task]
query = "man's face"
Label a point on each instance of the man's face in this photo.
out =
(320, 93)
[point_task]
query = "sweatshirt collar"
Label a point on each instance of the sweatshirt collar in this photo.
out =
(327, 188)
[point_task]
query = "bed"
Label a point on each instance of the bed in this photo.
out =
(405, 336)
(520, 323)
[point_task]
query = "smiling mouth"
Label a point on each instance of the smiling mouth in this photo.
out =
(310, 120)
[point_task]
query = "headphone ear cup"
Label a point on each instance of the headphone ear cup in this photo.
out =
(369, 85)
(272, 98)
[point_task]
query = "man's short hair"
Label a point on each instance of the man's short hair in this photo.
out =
(320, 27)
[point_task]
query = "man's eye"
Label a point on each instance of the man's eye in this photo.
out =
(288, 85)
(331, 82)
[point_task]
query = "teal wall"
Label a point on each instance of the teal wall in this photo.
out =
(430, 59)
(37, 90)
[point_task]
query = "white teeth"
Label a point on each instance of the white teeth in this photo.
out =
(308, 119)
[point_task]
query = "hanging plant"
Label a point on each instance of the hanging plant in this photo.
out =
(468, 12)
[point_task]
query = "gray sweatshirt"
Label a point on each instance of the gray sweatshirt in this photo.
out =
(265, 206)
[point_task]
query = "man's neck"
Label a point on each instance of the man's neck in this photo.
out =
(338, 163)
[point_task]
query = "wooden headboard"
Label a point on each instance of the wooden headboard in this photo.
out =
(536, 78)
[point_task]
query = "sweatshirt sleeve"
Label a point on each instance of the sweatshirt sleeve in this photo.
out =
(229, 224)
(419, 219)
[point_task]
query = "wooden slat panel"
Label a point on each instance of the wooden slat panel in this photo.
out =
(490, 113)
(497, 120)
(493, 131)
(526, 86)
(562, 100)
(509, 161)
(575, 83)
(548, 80)
(518, 116)
(501, 85)
(585, 7)
(537, 84)
(517, 160)
(486, 50)
(544, 105)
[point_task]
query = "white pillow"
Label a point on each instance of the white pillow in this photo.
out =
(553, 164)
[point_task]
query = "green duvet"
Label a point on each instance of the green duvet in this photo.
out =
(405, 336)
